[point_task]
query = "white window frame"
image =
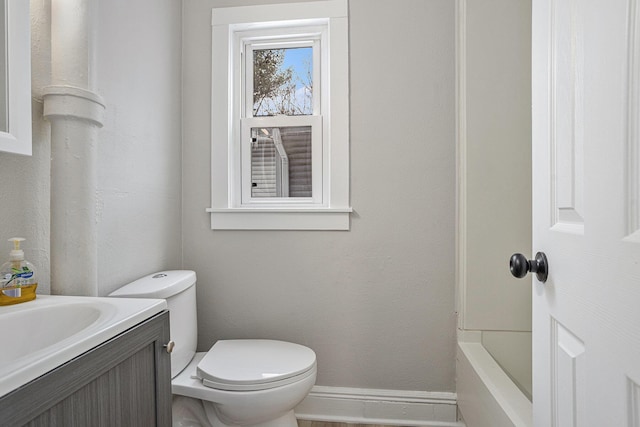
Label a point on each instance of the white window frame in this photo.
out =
(324, 23)
(289, 37)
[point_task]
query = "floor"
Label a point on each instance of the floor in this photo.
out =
(303, 423)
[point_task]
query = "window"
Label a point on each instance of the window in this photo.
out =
(280, 128)
(281, 140)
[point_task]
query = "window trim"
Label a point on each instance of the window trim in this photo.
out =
(227, 211)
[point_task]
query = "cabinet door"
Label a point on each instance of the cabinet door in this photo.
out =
(123, 382)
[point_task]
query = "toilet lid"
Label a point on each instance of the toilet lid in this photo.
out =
(254, 364)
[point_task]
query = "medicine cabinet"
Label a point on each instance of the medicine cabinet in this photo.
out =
(15, 77)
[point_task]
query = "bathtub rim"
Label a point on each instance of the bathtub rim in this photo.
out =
(498, 387)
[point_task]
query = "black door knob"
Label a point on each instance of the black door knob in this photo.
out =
(520, 266)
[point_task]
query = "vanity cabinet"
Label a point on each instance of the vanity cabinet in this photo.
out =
(126, 381)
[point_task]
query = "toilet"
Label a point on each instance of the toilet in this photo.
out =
(237, 383)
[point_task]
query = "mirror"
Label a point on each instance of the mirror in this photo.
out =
(3, 69)
(15, 77)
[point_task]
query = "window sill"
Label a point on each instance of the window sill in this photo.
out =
(280, 219)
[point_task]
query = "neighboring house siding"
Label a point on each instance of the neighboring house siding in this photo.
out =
(296, 143)
(263, 169)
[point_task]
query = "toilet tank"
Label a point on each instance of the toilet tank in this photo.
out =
(178, 288)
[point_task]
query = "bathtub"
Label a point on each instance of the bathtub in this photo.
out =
(488, 396)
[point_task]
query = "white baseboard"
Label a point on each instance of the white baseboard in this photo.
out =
(372, 406)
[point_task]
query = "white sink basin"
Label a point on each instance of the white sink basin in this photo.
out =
(40, 335)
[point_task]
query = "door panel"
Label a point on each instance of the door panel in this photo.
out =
(634, 403)
(586, 122)
(567, 114)
(633, 126)
(568, 376)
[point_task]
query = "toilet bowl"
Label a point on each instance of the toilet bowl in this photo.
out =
(264, 407)
(237, 383)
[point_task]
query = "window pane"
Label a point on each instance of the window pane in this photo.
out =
(283, 81)
(281, 162)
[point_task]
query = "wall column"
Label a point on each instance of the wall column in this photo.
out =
(76, 113)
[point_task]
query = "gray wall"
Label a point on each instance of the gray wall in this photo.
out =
(498, 163)
(24, 201)
(24, 193)
(496, 184)
(139, 169)
(139, 177)
(376, 303)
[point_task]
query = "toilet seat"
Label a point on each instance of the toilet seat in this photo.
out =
(250, 365)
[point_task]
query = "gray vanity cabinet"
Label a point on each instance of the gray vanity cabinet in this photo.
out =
(125, 381)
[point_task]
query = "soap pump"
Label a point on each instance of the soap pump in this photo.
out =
(17, 277)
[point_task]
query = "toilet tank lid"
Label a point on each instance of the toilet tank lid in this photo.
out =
(163, 284)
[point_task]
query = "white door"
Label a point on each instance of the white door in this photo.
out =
(586, 215)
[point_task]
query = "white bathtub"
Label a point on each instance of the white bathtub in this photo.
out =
(487, 396)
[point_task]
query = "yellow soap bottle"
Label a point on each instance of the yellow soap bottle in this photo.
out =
(17, 277)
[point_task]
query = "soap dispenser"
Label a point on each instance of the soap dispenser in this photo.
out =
(17, 277)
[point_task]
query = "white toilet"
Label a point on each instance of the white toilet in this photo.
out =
(237, 383)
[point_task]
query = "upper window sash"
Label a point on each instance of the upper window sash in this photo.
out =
(249, 45)
(279, 35)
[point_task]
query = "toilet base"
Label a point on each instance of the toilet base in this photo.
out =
(287, 420)
(190, 412)
(260, 408)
